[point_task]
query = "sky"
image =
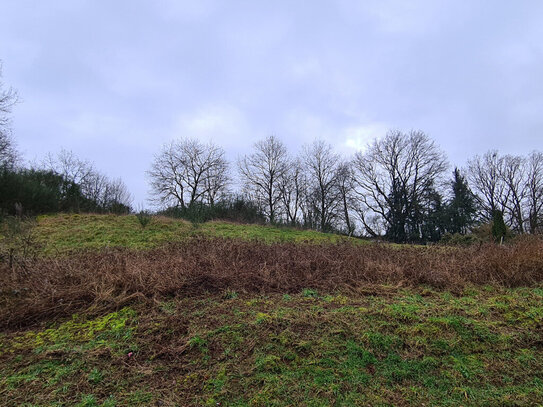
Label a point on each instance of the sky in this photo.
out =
(113, 81)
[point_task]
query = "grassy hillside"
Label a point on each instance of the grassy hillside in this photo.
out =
(387, 347)
(273, 317)
(61, 233)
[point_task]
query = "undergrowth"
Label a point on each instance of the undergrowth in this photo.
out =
(104, 280)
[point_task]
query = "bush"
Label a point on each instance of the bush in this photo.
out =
(484, 233)
(38, 192)
(144, 218)
(235, 209)
(499, 230)
(458, 239)
(17, 240)
(115, 207)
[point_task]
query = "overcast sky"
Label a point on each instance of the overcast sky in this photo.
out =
(113, 80)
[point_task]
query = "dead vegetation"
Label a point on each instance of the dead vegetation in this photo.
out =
(109, 279)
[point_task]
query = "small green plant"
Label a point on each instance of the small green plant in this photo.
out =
(230, 295)
(309, 293)
(144, 218)
(262, 318)
(88, 400)
(168, 307)
(198, 342)
(95, 376)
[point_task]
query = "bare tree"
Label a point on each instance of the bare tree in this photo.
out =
(77, 171)
(216, 182)
(106, 194)
(484, 174)
(167, 177)
(513, 175)
(345, 185)
(261, 173)
(206, 170)
(534, 194)
(392, 179)
(292, 190)
(187, 171)
(72, 168)
(8, 152)
(321, 165)
(116, 193)
(95, 187)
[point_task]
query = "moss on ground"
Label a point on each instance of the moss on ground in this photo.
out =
(394, 347)
(64, 363)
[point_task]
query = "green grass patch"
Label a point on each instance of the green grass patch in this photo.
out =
(71, 232)
(63, 362)
(411, 347)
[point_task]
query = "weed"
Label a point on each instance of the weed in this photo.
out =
(308, 293)
(198, 342)
(262, 318)
(95, 376)
(229, 295)
(88, 400)
(168, 307)
(198, 266)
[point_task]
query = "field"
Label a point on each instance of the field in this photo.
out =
(110, 314)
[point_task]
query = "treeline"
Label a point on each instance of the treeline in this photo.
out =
(62, 183)
(399, 188)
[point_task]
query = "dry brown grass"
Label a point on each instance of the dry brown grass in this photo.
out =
(111, 278)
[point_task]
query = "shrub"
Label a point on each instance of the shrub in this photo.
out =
(144, 218)
(36, 192)
(236, 209)
(39, 192)
(17, 240)
(458, 239)
(499, 230)
(484, 233)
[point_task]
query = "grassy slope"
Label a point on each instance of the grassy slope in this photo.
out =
(61, 233)
(384, 347)
(393, 347)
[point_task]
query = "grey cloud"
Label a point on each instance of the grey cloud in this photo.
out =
(113, 80)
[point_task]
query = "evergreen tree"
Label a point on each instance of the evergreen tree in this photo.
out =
(499, 230)
(434, 222)
(36, 192)
(39, 191)
(397, 214)
(462, 208)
